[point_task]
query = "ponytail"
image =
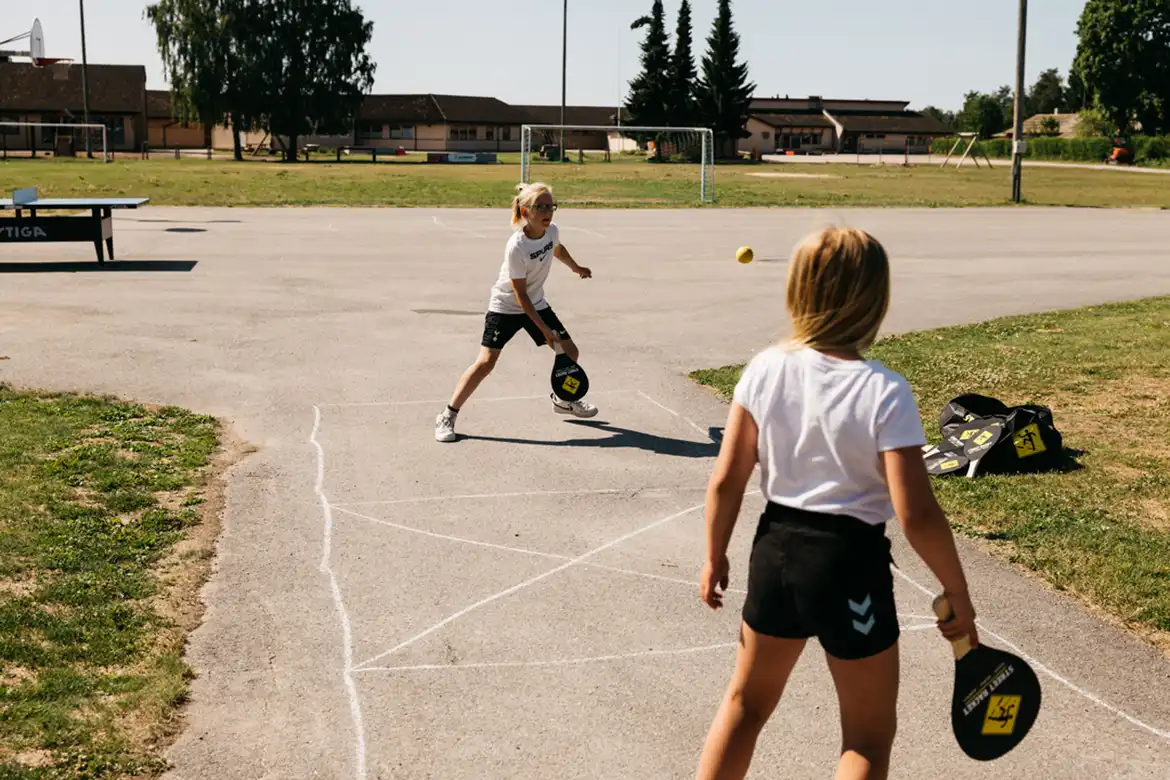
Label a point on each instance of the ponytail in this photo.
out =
(525, 198)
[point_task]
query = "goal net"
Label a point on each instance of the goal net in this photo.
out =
(58, 138)
(620, 164)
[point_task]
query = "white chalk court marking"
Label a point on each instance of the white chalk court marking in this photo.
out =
(528, 583)
(1039, 666)
(635, 493)
(457, 229)
(556, 662)
(705, 434)
(355, 706)
(580, 230)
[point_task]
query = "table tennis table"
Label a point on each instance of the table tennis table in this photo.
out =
(96, 226)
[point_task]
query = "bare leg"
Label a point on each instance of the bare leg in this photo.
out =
(868, 693)
(475, 373)
(761, 672)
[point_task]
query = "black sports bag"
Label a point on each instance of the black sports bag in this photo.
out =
(984, 435)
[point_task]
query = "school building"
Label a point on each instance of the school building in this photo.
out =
(814, 125)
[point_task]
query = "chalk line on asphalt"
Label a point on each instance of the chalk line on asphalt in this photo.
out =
(355, 706)
(688, 421)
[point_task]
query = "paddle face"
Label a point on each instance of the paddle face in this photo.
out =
(996, 700)
(569, 382)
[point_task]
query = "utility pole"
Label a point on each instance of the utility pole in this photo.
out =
(85, 85)
(564, 74)
(1018, 119)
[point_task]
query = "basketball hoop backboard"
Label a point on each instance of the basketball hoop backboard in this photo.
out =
(36, 47)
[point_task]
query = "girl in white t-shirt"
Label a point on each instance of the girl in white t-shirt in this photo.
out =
(838, 439)
(517, 302)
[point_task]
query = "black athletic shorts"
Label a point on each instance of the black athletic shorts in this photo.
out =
(498, 329)
(822, 575)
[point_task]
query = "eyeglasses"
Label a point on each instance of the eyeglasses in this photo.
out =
(545, 208)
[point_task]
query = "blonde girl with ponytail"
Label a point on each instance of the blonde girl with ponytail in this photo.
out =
(517, 302)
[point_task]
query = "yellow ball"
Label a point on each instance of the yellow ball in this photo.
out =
(744, 255)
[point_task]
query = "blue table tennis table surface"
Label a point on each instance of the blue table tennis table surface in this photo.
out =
(75, 203)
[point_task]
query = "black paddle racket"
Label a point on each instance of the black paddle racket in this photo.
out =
(996, 698)
(569, 382)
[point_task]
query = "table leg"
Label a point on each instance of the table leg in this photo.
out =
(97, 231)
(110, 240)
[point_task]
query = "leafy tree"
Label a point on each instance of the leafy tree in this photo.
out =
(682, 71)
(1076, 97)
(309, 57)
(1047, 95)
(982, 114)
(724, 92)
(199, 42)
(1123, 56)
(649, 100)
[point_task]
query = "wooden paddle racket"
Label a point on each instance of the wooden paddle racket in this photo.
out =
(996, 697)
(568, 379)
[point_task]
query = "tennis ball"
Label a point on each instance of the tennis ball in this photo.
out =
(745, 254)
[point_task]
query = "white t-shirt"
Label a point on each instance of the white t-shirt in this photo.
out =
(822, 424)
(528, 259)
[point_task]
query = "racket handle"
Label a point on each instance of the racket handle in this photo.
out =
(942, 608)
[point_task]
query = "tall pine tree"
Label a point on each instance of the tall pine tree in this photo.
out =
(682, 72)
(649, 98)
(724, 93)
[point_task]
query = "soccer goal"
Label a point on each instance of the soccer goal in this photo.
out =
(20, 137)
(679, 162)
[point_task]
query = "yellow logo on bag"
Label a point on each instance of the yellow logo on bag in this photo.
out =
(1001, 715)
(571, 384)
(1028, 441)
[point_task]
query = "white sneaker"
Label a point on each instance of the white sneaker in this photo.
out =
(445, 426)
(575, 408)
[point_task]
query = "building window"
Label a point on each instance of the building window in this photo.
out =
(765, 135)
(491, 133)
(369, 131)
(402, 132)
(464, 133)
(505, 133)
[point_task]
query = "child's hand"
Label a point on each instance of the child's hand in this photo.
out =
(963, 622)
(714, 575)
(584, 272)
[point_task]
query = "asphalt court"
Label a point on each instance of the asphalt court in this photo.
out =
(523, 603)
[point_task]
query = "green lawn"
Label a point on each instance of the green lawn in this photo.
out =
(1102, 529)
(626, 182)
(102, 550)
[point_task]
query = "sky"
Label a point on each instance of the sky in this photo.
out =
(925, 53)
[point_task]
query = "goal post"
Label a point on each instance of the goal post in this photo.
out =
(682, 146)
(75, 129)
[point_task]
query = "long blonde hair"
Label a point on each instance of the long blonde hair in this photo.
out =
(526, 197)
(838, 290)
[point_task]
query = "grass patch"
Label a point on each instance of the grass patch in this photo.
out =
(1102, 529)
(92, 513)
(628, 182)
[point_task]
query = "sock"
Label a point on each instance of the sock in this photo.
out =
(452, 410)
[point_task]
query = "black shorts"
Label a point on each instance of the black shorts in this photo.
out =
(821, 575)
(498, 329)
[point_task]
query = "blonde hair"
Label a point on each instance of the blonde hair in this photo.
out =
(526, 197)
(838, 290)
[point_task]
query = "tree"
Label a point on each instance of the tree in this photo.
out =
(1047, 95)
(649, 98)
(199, 42)
(309, 57)
(724, 94)
(682, 72)
(982, 114)
(1123, 57)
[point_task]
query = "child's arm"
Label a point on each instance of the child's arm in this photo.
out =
(563, 255)
(925, 527)
(520, 287)
(737, 459)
